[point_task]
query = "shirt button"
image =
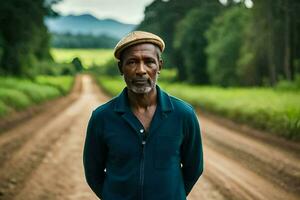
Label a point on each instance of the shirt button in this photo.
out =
(142, 131)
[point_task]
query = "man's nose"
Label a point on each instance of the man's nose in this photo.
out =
(141, 70)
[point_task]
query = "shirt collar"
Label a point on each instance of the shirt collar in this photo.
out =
(164, 102)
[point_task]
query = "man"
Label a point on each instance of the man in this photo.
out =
(143, 144)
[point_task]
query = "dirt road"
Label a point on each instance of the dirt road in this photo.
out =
(41, 158)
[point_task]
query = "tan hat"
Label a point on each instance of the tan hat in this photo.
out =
(137, 37)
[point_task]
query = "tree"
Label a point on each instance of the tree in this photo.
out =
(191, 42)
(25, 37)
(272, 39)
(161, 17)
(225, 38)
(77, 64)
(267, 50)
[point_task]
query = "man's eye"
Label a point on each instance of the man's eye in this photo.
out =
(150, 61)
(131, 62)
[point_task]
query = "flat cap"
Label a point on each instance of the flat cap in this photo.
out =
(137, 37)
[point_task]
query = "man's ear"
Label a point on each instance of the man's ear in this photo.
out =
(160, 65)
(120, 67)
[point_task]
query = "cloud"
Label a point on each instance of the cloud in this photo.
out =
(121, 10)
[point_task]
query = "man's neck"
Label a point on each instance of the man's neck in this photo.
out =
(142, 101)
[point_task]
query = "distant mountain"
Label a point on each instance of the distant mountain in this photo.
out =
(88, 24)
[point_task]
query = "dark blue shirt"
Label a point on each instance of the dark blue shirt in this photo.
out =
(122, 162)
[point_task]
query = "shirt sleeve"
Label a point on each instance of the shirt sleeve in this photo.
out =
(94, 156)
(192, 153)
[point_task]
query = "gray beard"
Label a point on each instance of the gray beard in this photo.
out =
(142, 90)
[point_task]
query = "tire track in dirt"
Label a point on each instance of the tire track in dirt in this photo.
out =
(280, 168)
(238, 182)
(242, 167)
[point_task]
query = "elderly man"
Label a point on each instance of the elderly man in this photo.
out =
(142, 144)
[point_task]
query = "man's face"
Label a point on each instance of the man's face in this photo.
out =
(140, 65)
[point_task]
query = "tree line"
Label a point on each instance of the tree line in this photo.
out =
(228, 44)
(208, 42)
(25, 41)
(68, 40)
(24, 38)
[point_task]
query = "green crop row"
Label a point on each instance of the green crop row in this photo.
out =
(264, 108)
(63, 83)
(17, 93)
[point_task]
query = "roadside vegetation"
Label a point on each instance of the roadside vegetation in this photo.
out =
(273, 110)
(50, 79)
(62, 83)
(16, 94)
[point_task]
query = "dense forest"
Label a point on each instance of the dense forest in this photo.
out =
(23, 35)
(228, 44)
(68, 40)
(208, 42)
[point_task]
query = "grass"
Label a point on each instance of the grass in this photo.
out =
(35, 92)
(264, 108)
(111, 85)
(14, 98)
(63, 83)
(17, 94)
(4, 109)
(88, 57)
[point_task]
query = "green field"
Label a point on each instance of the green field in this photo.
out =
(17, 93)
(88, 57)
(264, 108)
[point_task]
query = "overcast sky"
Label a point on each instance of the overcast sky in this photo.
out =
(128, 11)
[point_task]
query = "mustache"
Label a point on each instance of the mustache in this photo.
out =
(139, 80)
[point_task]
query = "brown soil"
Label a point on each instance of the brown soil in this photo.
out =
(41, 157)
